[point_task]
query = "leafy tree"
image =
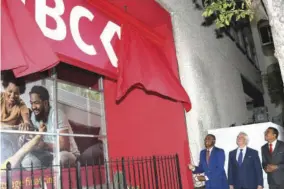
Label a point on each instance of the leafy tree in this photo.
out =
(226, 13)
(90, 94)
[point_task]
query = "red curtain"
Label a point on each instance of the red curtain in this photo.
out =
(23, 47)
(142, 63)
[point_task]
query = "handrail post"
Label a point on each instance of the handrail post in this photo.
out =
(78, 174)
(178, 171)
(155, 172)
(9, 175)
(123, 172)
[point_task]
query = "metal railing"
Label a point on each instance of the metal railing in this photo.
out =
(156, 172)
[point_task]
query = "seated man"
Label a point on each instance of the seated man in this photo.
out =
(44, 115)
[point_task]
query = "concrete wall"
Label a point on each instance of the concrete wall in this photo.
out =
(210, 71)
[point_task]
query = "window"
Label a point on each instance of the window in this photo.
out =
(67, 126)
(240, 40)
(244, 41)
(253, 95)
(265, 35)
(254, 103)
(251, 51)
(266, 38)
(80, 91)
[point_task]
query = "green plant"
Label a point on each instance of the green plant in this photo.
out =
(226, 11)
(90, 94)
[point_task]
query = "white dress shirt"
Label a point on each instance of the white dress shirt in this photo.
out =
(244, 153)
(273, 145)
(210, 150)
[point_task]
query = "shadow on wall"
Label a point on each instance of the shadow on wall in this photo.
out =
(274, 83)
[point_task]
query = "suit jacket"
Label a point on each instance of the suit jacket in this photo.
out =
(215, 171)
(277, 158)
(249, 174)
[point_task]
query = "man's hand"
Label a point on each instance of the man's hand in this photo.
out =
(231, 187)
(271, 168)
(259, 187)
(191, 167)
(24, 126)
(201, 178)
(266, 170)
(42, 128)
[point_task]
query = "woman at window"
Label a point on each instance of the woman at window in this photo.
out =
(14, 113)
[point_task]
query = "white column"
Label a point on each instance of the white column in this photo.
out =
(193, 79)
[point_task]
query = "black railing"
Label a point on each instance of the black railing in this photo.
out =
(157, 172)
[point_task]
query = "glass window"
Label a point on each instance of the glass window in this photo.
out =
(249, 49)
(266, 35)
(65, 122)
(241, 41)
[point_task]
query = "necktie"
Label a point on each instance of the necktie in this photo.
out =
(240, 158)
(207, 156)
(270, 148)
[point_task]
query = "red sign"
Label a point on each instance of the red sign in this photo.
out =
(90, 176)
(80, 34)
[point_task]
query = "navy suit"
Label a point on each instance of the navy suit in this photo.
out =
(248, 175)
(215, 171)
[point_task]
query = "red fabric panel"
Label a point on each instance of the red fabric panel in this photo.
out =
(146, 125)
(120, 16)
(24, 48)
(169, 46)
(142, 63)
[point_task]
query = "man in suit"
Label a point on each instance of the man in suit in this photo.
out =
(212, 160)
(273, 159)
(244, 168)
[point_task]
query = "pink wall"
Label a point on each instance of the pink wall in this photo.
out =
(146, 125)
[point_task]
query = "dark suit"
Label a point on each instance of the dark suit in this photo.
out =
(276, 178)
(215, 170)
(248, 175)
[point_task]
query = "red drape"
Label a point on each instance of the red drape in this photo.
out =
(119, 16)
(23, 47)
(142, 63)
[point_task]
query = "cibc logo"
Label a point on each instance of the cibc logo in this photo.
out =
(59, 33)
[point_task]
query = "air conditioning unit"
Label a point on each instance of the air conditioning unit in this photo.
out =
(260, 115)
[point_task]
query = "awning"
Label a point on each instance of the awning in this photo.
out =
(23, 47)
(141, 61)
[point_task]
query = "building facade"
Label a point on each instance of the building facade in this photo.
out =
(225, 78)
(77, 93)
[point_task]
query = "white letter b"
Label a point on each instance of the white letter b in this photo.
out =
(42, 11)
